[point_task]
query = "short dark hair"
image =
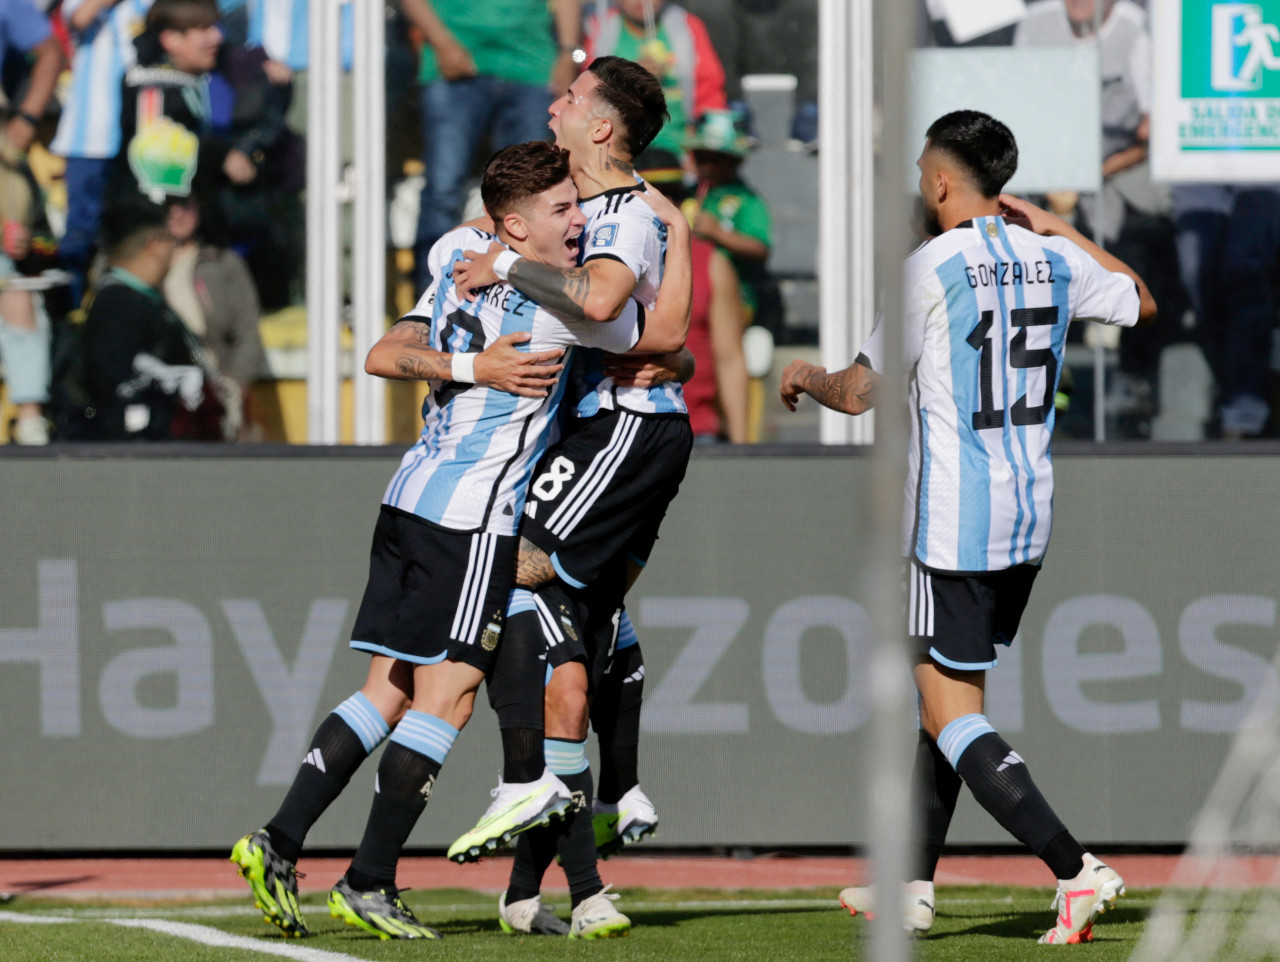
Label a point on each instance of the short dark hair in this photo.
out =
(181, 15)
(519, 172)
(128, 224)
(980, 144)
(635, 97)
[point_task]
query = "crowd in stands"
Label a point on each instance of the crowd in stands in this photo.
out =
(152, 161)
(1209, 252)
(197, 107)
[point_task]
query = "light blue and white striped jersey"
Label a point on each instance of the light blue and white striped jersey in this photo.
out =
(622, 227)
(985, 322)
(280, 27)
(470, 469)
(90, 123)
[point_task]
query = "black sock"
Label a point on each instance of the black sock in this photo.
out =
(577, 841)
(405, 779)
(937, 787)
(615, 716)
(334, 755)
(522, 758)
(999, 780)
(516, 686)
(535, 851)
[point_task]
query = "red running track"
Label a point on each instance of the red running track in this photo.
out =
(203, 877)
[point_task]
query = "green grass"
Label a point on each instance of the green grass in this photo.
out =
(976, 924)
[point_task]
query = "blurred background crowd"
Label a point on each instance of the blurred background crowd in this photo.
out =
(152, 180)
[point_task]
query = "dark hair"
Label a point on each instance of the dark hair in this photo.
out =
(127, 225)
(635, 97)
(980, 144)
(180, 15)
(519, 172)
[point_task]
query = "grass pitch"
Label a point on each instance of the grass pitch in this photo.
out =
(975, 924)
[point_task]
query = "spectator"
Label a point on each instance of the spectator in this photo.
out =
(24, 325)
(25, 30)
(487, 68)
(728, 212)
(767, 37)
(142, 370)
(1229, 253)
(674, 46)
(89, 130)
(210, 288)
(1130, 216)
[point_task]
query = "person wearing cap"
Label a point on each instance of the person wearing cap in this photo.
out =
(729, 212)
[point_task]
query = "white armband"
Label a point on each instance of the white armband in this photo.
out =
(502, 265)
(463, 368)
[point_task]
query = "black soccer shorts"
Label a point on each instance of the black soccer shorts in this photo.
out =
(603, 491)
(434, 593)
(958, 619)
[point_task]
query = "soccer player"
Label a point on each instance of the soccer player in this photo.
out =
(597, 502)
(444, 547)
(986, 308)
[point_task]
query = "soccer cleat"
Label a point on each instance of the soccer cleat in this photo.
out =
(1081, 900)
(273, 880)
(516, 807)
(596, 918)
(529, 917)
(917, 904)
(630, 819)
(381, 913)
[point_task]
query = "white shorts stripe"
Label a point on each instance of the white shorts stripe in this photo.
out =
(479, 565)
(550, 629)
(603, 467)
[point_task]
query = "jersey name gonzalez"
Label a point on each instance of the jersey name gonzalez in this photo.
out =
(986, 312)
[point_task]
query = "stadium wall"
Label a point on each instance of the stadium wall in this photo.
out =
(173, 628)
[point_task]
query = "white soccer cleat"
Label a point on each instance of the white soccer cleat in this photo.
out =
(516, 807)
(630, 819)
(529, 917)
(917, 904)
(596, 918)
(1081, 900)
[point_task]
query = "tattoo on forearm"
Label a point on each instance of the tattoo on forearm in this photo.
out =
(563, 290)
(533, 567)
(839, 391)
(411, 364)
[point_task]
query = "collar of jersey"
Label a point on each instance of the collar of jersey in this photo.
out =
(611, 191)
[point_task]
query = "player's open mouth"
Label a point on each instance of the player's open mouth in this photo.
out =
(571, 244)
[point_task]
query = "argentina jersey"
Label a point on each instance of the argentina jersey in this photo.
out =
(90, 121)
(622, 227)
(470, 469)
(985, 321)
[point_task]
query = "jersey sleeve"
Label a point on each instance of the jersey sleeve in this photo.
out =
(617, 336)
(1098, 294)
(625, 233)
(918, 298)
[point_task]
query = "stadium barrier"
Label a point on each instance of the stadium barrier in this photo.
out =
(174, 627)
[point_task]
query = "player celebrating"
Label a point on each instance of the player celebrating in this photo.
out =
(987, 303)
(444, 547)
(598, 500)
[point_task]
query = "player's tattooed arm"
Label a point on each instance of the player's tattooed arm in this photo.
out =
(533, 566)
(561, 289)
(851, 391)
(404, 354)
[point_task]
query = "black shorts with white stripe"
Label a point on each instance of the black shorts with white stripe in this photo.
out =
(958, 619)
(601, 493)
(434, 593)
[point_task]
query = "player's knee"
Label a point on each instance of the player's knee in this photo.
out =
(567, 706)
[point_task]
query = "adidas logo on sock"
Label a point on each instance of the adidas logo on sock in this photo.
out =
(1013, 758)
(315, 758)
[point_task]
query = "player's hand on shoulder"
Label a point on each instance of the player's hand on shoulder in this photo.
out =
(1027, 215)
(793, 380)
(663, 208)
(503, 366)
(476, 271)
